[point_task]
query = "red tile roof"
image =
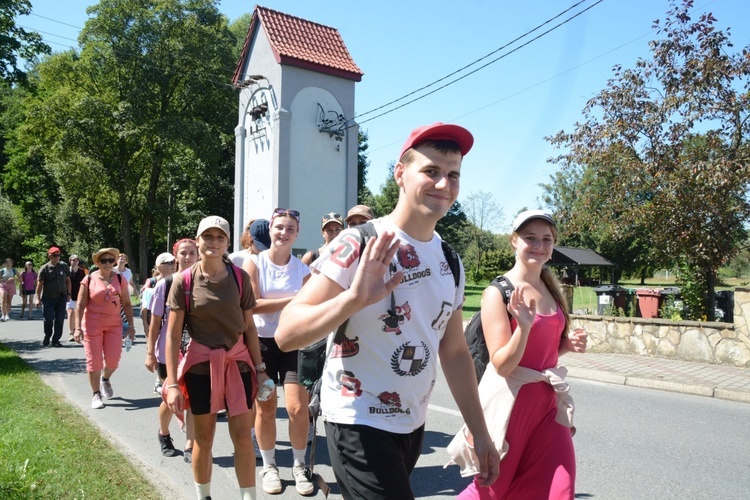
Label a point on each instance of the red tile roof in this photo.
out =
(301, 43)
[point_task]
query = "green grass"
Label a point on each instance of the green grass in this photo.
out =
(48, 448)
(585, 299)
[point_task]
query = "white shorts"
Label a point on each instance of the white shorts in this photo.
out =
(71, 304)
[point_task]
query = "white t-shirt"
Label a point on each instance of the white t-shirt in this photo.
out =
(383, 373)
(127, 275)
(276, 282)
(239, 257)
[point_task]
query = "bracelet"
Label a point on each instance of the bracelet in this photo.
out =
(131, 328)
(173, 386)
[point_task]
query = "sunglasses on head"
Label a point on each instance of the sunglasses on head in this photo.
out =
(332, 216)
(284, 212)
(107, 261)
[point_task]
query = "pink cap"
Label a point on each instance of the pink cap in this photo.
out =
(440, 132)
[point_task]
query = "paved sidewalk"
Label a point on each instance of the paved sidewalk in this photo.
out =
(701, 379)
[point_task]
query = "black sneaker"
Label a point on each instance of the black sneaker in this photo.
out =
(45, 342)
(167, 448)
(56, 344)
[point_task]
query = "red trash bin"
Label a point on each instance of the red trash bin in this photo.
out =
(649, 301)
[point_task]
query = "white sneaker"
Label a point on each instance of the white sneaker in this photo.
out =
(271, 481)
(302, 480)
(107, 390)
(96, 402)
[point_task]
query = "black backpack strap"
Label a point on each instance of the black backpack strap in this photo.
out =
(167, 287)
(505, 286)
(452, 257)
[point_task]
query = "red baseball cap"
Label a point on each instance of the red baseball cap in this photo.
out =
(53, 250)
(440, 132)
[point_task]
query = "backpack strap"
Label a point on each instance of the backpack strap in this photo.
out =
(167, 287)
(187, 279)
(452, 258)
(237, 273)
(505, 286)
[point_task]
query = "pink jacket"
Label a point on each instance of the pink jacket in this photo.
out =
(226, 382)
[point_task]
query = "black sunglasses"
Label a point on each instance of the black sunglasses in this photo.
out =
(54, 255)
(107, 261)
(283, 212)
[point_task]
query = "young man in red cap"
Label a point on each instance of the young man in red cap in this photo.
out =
(404, 311)
(53, 291)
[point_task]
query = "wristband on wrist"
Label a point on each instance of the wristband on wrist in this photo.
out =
(173, 386)
(261, 368)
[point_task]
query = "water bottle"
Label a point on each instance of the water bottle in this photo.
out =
(266, 389)
(128, 343)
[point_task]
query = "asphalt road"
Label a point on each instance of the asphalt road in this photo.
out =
(631, 443)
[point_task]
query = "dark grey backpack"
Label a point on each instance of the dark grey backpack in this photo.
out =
(475, 334)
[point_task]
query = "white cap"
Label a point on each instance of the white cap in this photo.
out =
(164, 258)
(528, 215)
(213, 221)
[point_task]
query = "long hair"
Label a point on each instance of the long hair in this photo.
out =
(553, 285)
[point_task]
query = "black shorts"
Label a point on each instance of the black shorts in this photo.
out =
(199, 391)
(372, 464)
(28, 292)
(280, 365)
(161, 370)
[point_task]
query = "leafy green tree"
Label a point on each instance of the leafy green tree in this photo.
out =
(137, 127)
(239, 28)
(385, 201)
(16, 42)
(364, 196)
(484, 214)
(661, 157)
(10, 227)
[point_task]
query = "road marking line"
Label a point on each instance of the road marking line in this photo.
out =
(449, 411)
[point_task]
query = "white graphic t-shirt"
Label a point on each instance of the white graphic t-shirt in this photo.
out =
(383, 373)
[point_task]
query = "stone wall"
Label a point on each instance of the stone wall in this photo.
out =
(718, 343)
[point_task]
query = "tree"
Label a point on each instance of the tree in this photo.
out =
(386, 201)
(16, 42)
(141, 116)
(10, 228)
(364, 196)
(662, 154)
(484, 215)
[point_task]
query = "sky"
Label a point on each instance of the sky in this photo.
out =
(510, 105)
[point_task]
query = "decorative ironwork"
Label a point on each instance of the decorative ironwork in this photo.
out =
(331, 123)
